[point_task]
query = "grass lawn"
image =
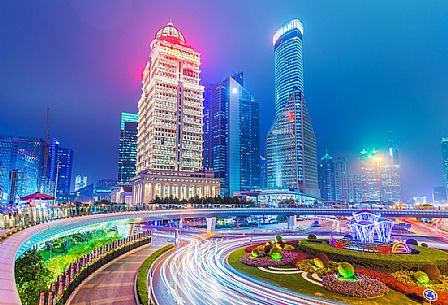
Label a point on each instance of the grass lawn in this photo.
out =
(295, 282)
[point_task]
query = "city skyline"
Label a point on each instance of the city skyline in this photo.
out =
(420, 157)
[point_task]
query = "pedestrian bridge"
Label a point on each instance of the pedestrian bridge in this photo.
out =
(16, 244)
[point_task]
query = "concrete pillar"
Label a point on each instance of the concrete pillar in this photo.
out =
(292, 222)
(181, 223)
(131, 229)
(211, 224)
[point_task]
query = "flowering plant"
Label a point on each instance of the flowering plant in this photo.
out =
(363, 287)
(266, 261)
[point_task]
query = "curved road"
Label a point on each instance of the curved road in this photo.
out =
(115, 283)
(197, 273)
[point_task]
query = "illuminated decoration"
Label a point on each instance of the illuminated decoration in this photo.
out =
(293, 24)
(170, 120)
(400, 247)
(367, 225)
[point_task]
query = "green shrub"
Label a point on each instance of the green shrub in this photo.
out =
(142, 284)
(311, 236)
(421, 277)
(255, 253)
(432, 271)
(289, 247)
(278, 238)
(379, 261)
(424, 245)
(411, 241)
(346, 270)
(323, 258)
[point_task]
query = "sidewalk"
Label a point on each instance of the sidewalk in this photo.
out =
(114, 285)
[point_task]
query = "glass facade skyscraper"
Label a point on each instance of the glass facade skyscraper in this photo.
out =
(21, 163)
(127, 157)
(63, 178)
(444, 144)
(288, 62)
(291, 149)
(327, 180)
(232, 137)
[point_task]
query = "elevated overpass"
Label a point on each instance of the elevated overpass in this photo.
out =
(18, 243)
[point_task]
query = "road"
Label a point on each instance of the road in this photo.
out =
(114, 285)
(197, 273)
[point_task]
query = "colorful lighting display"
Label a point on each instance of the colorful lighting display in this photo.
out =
(368, 227)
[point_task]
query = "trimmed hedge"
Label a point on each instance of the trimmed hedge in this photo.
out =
(142, 284)
(380, 261)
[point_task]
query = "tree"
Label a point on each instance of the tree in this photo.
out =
(32, 276)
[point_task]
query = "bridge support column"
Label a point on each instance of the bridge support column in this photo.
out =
(131, 229)
(292, 222)
(181, 223)
(211, 224)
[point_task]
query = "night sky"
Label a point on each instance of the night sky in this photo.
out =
(369, 67)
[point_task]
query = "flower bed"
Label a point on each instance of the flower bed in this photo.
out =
(364, 287)
(307, 265)
(250, 248)
(393, 283)
(300, 256)
(266, 261)
(379, 261)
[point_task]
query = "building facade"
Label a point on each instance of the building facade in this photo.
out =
(291, 149)
(127, 157)
(444, 144)
(170, 114)
(327, 179)
(233, 137)
(80, 182)
(21, 166)
(380, 175)
(341, 176)
(439, 194)
(63, 173)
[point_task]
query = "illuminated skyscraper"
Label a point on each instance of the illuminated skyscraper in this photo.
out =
(327, 181)
(291, 149)
(80, 182)
(21, 161)
(444, 144)
(341, 176)
(233, 138)
(370, 175)
(170, 114)
(127, 157)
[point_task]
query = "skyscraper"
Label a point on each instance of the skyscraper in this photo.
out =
(341, 176)
(327, 181)
(21, 162)
(390, 175)
(80, 182)
(63, 172)
(444, 144)
(127, 157)
(291, 150)
(370, 175)
(170, 114)
(232, 133)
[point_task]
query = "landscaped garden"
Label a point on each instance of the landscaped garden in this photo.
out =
(349, 270)
(36, 269)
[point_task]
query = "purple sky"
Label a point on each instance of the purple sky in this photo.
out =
(369, 66)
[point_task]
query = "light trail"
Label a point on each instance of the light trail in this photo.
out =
(198, 273)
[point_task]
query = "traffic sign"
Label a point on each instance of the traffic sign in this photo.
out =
(430, 295)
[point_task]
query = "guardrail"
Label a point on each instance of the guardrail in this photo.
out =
(78, 271)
